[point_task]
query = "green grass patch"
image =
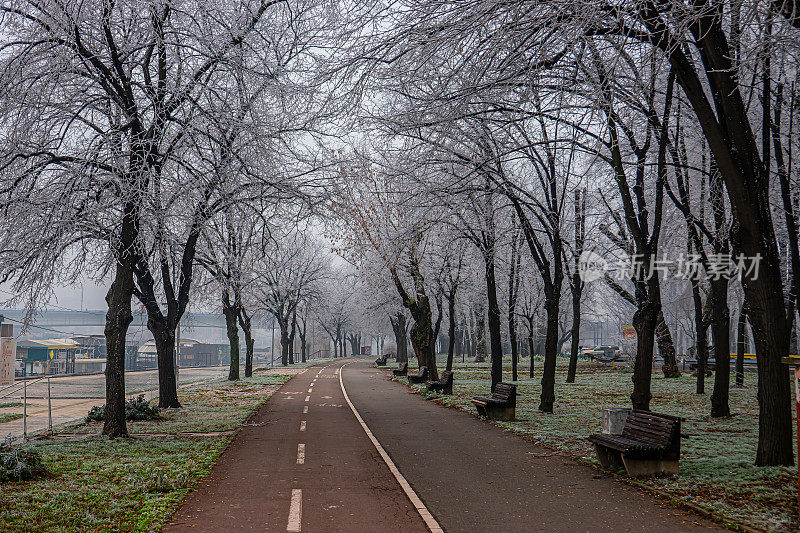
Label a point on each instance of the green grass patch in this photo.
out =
(10, 404)
(8, 417)
(716, 469)
(135, 484)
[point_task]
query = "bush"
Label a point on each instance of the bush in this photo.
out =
(20, 464)
(135, 409)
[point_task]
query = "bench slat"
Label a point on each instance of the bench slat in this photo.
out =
(645, 435)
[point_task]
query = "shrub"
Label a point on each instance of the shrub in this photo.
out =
(20, 463)
(135, 409)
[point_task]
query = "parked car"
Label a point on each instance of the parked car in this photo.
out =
(605, 353)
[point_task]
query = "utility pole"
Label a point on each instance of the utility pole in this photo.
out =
(272, 345)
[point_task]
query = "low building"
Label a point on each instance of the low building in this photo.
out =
(48, 356)
(192, 353)
(195, 353)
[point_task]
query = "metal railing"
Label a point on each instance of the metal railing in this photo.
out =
(4, 393)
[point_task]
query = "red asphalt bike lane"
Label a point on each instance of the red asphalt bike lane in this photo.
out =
(303, 464)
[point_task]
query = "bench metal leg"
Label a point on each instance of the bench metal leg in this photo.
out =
(649, 467)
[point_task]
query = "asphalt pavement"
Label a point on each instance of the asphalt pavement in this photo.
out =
(475, 477)
(306, 462)
(303, 463)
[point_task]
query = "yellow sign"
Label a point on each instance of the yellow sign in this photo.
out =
(628, 332)
(52, 354)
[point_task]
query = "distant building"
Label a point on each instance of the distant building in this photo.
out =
(195, 353)
(50, 356)
(192, 353)
(76, 355)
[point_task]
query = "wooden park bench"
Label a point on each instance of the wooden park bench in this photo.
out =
(444, 385)
(420, 376)
(380, 361)
(650, 443)
(501, 406)
(401, 371)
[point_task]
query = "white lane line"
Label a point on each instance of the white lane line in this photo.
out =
(307, 398)
(295, 511)
(305, 409)
(303, 425)
(423, 511)
(301, 454)
(310, 390)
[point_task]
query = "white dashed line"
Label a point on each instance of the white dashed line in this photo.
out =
(303, 425)
(295, 511)
(423, 511)
(301, 454)
(305, 409)
(310, 390)
(308, 398)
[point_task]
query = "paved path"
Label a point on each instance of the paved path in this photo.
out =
(474, 477)
(305, 464)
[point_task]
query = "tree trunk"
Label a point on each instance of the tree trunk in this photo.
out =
(164, 338)
(513, 287)
(576, 328)
(772, 342)
(247, 327)
(284, 326)
(303, 345)
(480, 339)
(644, 321)
(494, 323)
(720, 327)
(231, 316)
(355, 343)
(451, 331)
(548, 394)
(701, 349)
(752, 234)
(666, 347)
(422, 330)
(118, 318)
(400, 337)
(292, 333)
(531, 349)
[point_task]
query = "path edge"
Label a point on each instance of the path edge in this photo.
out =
(424, 513)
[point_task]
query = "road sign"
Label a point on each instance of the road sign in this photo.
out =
(628, 332)
(8, 355)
